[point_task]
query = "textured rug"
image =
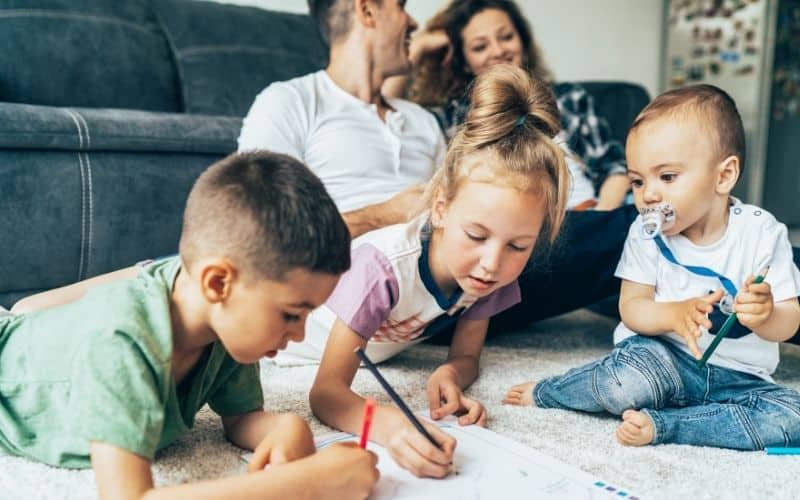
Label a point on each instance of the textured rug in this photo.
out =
(549, 347)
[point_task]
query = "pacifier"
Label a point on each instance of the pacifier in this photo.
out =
(656, 219)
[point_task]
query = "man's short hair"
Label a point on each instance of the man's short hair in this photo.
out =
(269, 214)
(334, 18)
(714, 109)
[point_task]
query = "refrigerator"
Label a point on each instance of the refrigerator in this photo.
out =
(751, 49)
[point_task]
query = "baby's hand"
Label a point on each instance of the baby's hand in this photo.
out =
(693, 314)
(445, 397)
(290, 439)
(754, 303)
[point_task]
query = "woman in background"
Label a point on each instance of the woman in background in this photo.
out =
(469, 36)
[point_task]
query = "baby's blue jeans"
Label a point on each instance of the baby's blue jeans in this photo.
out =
(709, 406)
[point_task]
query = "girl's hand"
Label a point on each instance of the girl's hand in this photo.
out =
(290, 440)
(427, 42)
(754, 303)
(692, 314)
(343, 470)
(413, 452)
(445, 397)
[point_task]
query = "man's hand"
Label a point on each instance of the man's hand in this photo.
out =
(691, 315)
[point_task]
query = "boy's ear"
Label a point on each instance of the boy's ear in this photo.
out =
(216, 280)
(728, 171)
(365, 12)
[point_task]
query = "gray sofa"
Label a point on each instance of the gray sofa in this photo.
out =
(110, 109)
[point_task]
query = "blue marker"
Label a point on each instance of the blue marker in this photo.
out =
(782, 451)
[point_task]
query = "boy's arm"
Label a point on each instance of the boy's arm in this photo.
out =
(337, 471)
(70, 293)
(275, 438)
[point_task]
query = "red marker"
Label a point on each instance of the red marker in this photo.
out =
(369, 409)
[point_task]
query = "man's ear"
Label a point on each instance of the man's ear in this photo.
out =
(728, 173)
(216, 280)
(365, 12)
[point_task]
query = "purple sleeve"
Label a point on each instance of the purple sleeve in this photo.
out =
(366, 293)
(494, 303)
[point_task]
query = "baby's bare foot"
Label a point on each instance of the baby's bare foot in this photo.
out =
(520, 395)
(636, 429)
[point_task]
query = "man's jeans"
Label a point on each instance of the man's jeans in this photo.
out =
(709, 406)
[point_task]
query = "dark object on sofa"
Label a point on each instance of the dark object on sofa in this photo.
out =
(109, 110)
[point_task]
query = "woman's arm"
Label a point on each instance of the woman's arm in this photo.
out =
(421, 44)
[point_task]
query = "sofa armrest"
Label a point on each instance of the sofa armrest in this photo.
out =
(85, 191)
(24, 126)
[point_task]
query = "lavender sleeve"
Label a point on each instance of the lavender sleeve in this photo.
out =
(366, 293)
(494, 303)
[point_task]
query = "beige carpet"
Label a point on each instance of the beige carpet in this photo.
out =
(549, 347)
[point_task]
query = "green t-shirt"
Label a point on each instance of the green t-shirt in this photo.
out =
(99, 369)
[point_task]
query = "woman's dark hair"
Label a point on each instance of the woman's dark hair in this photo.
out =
(434, 85)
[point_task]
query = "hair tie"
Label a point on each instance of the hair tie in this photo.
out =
(521, 120)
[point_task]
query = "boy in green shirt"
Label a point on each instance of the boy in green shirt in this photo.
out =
(108, 380)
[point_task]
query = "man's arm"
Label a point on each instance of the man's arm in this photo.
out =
(397, 209)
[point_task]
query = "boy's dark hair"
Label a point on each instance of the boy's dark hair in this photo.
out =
(713, 107)
(269, 214)
(334, 18)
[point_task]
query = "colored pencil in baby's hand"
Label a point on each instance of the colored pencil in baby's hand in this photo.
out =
(366, 423)
(726, 327)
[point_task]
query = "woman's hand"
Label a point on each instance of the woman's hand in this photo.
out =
(427, 42)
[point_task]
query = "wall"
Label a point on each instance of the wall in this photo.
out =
(581, 39)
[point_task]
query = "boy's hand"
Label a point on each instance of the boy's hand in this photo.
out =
(290, 440)
(413, 452)
(754, 303)
(446, 398)
(692, 314)
(344, 470)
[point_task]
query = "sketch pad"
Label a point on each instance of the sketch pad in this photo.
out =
(489, 466)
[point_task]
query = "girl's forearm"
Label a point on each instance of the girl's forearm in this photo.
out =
(464, 370)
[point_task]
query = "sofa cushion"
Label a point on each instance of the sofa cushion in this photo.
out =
(91, 53)
(619, 103)
(23, 126)
(227, 54)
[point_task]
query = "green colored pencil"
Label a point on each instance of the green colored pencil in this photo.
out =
(726, 327)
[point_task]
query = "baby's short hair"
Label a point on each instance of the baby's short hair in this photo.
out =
(268, 213)
(711, 106)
